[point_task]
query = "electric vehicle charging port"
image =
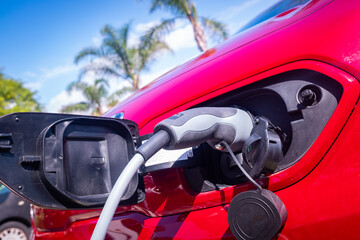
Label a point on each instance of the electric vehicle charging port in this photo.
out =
(300, 102)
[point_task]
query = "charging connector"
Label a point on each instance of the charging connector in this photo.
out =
(143, 153)
(186, 129)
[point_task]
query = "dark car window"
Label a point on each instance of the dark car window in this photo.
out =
(273, 11)
(4, 193)
(3, 189)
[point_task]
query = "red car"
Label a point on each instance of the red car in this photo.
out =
(299, 70)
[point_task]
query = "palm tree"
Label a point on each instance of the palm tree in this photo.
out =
(186, 9)
(113, 99)
(118, 58)
(94, 94)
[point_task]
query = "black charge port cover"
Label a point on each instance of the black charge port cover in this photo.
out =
(256, 215)
(65, 161)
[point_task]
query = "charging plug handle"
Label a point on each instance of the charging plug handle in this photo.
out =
(208, 124)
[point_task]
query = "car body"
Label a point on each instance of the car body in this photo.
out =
(15, 220)
(262, 69)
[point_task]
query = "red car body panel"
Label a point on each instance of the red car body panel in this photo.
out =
(319, 191)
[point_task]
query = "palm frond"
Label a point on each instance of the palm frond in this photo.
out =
(105, 70)
(194, 12)
(157, 32)
(124, 33)
(109, 32)
(187, 8)
(89, 51)
(215, 29)
(113, 99)
(117, 47)
(77, 107)
(123, 61)
(102, 81)
(176, 7)
(100, 88)
(150, 50)
(77, 85)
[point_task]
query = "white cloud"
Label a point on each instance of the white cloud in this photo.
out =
(115, 83)
(62, 99)
(47, 73)
(34, 86)
(29, 74)
(133, 39)
(36, 80)
(143, 27)
(89, 77)
(181, 38)
(97, 40)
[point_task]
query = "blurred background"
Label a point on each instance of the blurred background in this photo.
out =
(86, 56)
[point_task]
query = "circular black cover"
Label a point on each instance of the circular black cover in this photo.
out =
(256, 215)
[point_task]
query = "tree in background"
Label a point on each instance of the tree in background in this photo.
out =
(186, 9)
(117, 57)
(14, 97)
(94, 94)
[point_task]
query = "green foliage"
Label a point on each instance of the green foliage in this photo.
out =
(77, 107)
(113, 98)
(14, 97)
(176, 7)
(215, 29)
(119, 58)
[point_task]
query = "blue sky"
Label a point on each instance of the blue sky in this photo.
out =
(39, 38)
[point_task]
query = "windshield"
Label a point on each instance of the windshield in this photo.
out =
(273, 11)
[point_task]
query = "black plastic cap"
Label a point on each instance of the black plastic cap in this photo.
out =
(256, 215)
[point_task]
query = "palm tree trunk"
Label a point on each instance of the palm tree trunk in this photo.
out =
(198, 33)
(200, 37)
(99, 110)
(136, 81)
